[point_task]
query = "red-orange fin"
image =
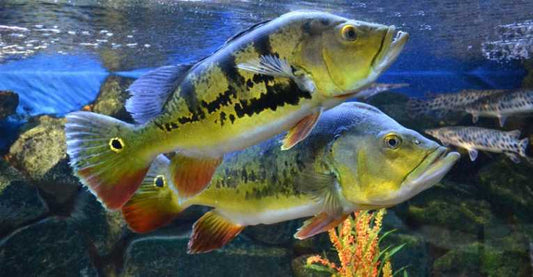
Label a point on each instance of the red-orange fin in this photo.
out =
(210, 232)
(300, 131)
(103, 154)
(192, 175)
(154, 204)
(321, 222)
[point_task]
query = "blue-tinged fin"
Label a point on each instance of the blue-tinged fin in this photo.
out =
(150, 92)
(245, 31)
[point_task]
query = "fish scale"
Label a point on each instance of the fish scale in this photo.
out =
(277, 76)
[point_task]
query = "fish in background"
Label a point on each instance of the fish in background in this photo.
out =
(502, 105)
(356, 158)
(377, 88)
(442, 104)
(476, 138)
(277, 76)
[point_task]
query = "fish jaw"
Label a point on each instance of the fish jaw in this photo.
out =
(432, 169)
(394, 43)
(393, 46)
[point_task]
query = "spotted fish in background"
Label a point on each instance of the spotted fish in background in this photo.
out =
(276, 76)
(502, 105)
(356, 158)
(441, 104)
(476, 138)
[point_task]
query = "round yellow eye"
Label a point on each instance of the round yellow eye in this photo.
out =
(348, 33)
(392, 141)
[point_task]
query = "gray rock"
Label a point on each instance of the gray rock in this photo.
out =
(20, 202)
(166, 256)
(8, 103)
(273, 234)
(112, 97)
(52, 247)
(103, 227)
(40, 153)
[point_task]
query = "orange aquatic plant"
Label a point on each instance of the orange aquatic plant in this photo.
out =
(356, 241)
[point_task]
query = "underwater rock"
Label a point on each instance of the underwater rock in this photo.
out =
(40, 153)
(414, 255)
(165, 256)
(8, 103)
(104, 228)
(51, 247)
(20, 202)
(112, 97)
(509, 186)
(273, 234)
(478, 259)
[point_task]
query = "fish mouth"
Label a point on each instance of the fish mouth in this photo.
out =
(427, 174)
(392, 45)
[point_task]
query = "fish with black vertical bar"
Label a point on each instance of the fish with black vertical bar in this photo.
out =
(277, 76)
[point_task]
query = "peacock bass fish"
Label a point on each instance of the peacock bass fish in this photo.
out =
(355, 158)
(277, 76)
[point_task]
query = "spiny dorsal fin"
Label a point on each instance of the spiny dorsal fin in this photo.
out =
(154, 204)
(150, 92)
(212, 231)
(245, 31)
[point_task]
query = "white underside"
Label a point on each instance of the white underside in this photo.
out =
(271, 216)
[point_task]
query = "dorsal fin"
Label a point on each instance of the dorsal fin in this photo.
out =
(150, 92)
(245, 31)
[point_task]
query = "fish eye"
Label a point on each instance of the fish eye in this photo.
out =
(159, 181)
(392, 141)
(349, 33)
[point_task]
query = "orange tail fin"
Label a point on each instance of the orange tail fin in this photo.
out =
(103, 155)
(155, 204)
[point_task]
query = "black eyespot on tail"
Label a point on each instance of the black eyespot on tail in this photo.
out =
(159, 181)
(116, 144)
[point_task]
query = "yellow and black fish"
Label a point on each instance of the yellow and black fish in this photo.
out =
(277, 76)
(356, 158)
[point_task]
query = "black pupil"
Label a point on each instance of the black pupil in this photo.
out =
(392, 142)
(116, 144)
(159, 182)
(350, 33)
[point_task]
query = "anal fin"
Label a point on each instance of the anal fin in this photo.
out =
(210, 232)
(473, 154)
(191, 175)
(154, 204)
(321, 222)
(300, 131)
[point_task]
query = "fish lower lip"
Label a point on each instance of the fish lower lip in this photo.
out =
(393, 50)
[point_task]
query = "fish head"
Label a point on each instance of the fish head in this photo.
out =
(352, 53)
(382, 164)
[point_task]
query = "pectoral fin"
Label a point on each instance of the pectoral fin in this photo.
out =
(323, 188)
(212, 231)
(321, 222)
(514, 157)
(273, 66)
(300, 131)
(191, 175)
(502, 119)
(473, 154)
